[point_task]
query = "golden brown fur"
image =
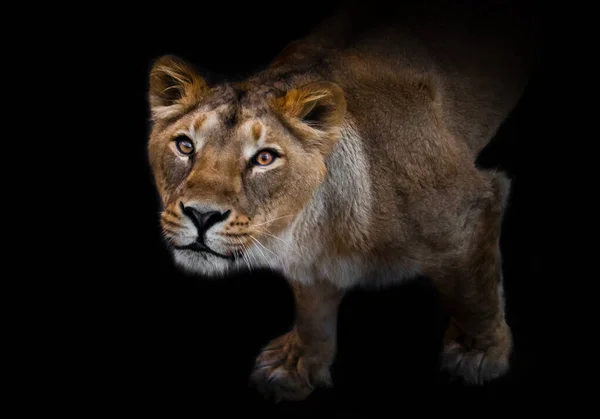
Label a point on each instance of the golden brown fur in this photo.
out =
(375, 130)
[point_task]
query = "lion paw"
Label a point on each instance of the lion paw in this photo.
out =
(288, 370)
(471, 365)
(476, 365)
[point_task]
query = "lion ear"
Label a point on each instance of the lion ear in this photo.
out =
(315, 111)
(174, 86)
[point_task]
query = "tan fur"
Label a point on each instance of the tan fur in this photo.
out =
(377, 133)
(256, 131)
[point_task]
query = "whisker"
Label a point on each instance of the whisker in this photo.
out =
(171, 223)
(269, 221)
(167, 238)
(288, 244)
(168, 230)
(244, 255)
(294, 246)
(263, 255)
(251, 253)
(268, 250)
(257, 241)
(268, 233)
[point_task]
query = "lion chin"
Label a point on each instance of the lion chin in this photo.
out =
(205, 264)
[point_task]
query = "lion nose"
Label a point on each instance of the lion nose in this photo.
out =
(203, 220)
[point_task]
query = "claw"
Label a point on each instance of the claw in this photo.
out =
(472, 366)
(286, 373)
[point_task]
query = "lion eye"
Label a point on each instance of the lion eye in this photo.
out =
(264, 158)
(184, 145)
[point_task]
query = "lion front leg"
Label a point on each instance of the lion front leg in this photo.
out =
(478, 341)
(293, 365)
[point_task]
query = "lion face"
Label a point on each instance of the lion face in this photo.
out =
(235, 165)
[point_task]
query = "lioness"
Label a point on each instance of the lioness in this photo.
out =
(349, 160)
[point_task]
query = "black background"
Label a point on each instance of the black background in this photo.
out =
(145, 338)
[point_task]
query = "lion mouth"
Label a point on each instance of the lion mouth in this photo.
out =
(198, 246)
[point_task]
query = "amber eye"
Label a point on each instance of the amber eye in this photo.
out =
(264, 158)
(184, 145)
